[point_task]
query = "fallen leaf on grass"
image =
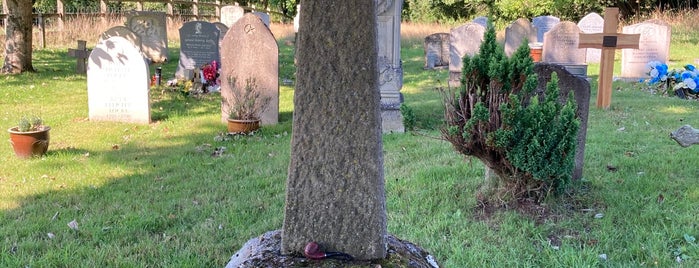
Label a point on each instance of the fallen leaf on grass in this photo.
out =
(115, 147)
(611, 168)
(661, 198)
(73, 225)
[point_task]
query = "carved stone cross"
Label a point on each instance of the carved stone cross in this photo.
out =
(82, 53)
(609, 40)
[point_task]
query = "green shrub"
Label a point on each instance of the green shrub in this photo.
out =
(527, 140)
(408, 117)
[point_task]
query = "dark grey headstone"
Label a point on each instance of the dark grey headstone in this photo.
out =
(152, 28)
(264, 17)
(250, 52)
(436, 51)
(543, 24)
(117, 82)
(580, 87)
(199, 42)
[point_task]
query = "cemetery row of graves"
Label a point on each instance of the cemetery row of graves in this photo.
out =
(151, 176)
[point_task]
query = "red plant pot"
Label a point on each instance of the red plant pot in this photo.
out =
(31, 143)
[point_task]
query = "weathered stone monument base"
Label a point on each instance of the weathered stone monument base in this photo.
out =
(391, 121)
(264, 251)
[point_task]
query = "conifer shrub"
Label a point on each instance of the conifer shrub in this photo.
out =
(526, 137)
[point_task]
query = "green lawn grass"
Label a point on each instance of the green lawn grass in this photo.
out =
(152, 195)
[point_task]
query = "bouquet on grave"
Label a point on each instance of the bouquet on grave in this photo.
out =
(683, 83)
(209, 76)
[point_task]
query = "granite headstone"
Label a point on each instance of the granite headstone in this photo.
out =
(561, 45)
(199, 45)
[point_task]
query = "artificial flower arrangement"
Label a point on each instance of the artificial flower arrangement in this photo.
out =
(209, 77)
(680, 82)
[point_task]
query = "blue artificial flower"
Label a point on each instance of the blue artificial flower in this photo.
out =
(686, 75)
(689, 67)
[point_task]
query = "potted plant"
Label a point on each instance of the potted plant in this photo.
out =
(30, 137)
(247, 105)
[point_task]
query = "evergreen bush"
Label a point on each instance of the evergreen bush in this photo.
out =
(527, 138)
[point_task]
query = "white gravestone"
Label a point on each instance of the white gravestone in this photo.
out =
(117, 82)
(231, 14)
(654, 45)
(390, 67)
(592, 23)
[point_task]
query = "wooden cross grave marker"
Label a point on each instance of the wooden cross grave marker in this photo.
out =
(82, 53)
(609, 40)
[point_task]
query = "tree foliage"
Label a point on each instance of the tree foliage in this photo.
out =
(506, 11)
(527, 138)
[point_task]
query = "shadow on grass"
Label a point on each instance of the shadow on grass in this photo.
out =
(177, 205)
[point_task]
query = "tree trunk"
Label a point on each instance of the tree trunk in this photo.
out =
(18, 38)
(335, 189)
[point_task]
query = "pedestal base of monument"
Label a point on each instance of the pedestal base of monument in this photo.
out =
(391, 118)
(264, 251)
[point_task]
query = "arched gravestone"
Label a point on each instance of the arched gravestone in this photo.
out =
(250, 52)
(464, 40)
(654, 45)
(543, 24)
(117, 82)
(123, 32)
(517, 32)
(152, 29)
(592, 23)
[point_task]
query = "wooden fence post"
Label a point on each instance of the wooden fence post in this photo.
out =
(61, 13)
(103, 11)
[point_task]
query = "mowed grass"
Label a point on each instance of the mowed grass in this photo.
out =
(152, 195)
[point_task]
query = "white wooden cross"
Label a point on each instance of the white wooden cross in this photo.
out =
(609, 40)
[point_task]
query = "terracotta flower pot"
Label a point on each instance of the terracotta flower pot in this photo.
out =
(243, 126)
(31, 143)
